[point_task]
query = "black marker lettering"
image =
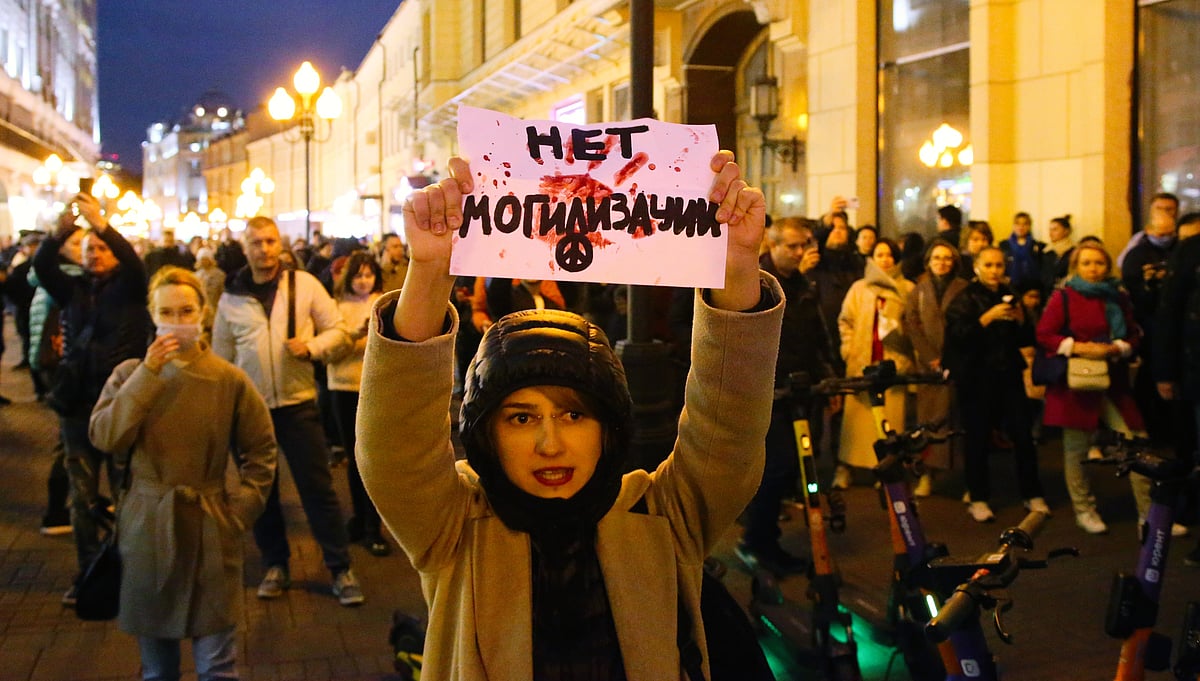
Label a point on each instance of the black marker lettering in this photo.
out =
(626, 134)
(475, 208)
(509, 206)
(535, 141)
(585, 150)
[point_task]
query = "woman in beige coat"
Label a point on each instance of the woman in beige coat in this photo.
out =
(871, 330)
(172, 418)
(534, 558)
(925, 325)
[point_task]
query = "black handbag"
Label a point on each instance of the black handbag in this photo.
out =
(98, 589)
(1052, 370)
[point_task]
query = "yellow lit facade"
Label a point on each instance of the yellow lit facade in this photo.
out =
(1042, 115)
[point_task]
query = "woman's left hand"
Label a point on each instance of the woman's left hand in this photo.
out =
(743, 210)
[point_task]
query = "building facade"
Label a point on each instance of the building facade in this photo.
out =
(173, 156)
(906, 105)
(48, 105)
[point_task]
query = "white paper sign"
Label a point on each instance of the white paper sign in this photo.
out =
(620, 203)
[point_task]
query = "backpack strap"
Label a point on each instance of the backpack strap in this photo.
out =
(689, 651)
(291, 322)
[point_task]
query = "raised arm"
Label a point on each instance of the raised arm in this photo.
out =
(431, 216)
(45, 261)
(744, 211)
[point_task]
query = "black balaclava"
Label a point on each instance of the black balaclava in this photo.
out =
(546, 347)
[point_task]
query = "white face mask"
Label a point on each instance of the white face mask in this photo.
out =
(186, 334)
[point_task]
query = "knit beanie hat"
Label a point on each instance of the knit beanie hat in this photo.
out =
(546, 347)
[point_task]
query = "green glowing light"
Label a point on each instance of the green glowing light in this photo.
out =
(812, 488)
(931, 603)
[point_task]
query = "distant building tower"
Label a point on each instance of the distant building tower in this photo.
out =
(48, 99)
(173, 155)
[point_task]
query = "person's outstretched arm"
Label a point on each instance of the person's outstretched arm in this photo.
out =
(744, 211)
(431, 216)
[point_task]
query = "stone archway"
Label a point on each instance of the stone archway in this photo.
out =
(710, 73)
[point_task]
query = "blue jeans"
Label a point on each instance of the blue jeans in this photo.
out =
(215, 656)
(301, 439)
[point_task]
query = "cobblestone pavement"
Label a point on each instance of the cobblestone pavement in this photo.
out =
(1057, 619)
(305, 635)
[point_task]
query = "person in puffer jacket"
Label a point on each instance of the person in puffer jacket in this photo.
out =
(534, 559)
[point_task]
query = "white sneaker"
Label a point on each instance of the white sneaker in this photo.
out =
(1038, 504)
(841, 478)
(1090, 522)
(1178, 530)
(924, 486)
(980, 512)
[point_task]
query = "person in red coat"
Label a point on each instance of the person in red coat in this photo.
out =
(1092, 316)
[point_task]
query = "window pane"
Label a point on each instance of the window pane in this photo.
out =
(913, 27)
(1169, 85)
(924, 89)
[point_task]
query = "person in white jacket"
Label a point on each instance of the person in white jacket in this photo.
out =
(272, 323)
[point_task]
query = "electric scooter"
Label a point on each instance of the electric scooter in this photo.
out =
(912, 598)
(980, 581)
(1133, 601)
(813, 632)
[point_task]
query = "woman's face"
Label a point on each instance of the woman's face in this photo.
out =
(363, 282)
(176, 304)
(941, 261)
(976, 242)
(546, 448)
(865, 241)
(1057, 231)
(989, 267)
(1092, 266)
(1031, 299)
(883, 258)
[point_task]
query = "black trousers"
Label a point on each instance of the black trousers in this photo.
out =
(990, 402)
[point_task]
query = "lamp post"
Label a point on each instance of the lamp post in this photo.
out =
(282, 107)
(46, 177)
(764, 109)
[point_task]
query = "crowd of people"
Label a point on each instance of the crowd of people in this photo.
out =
(162, 360)
(270, 347)
(980, 313)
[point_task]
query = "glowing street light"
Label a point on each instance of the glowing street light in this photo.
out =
(283, 107)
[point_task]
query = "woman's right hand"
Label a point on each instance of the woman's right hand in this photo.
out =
(1092, 350)
(434, 213)
(998, 312)
(160, 352)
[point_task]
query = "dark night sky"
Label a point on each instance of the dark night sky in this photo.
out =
(157, 57)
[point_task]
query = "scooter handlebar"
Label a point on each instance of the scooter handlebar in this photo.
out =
(959, 609)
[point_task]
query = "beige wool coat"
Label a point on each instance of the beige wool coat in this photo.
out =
(475, 571)
(179, 528)
(925, 325)
(855, 325)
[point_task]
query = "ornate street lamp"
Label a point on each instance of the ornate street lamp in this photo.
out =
(283, 107)
(764, 108)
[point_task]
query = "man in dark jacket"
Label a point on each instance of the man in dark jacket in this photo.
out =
(105, 322)
(1142, 274)
(1176, 357)
(803, 346)
(169, 254)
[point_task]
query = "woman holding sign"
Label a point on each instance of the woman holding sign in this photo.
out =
(538, 558)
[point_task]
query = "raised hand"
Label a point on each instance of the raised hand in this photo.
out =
(432, 214)
(161, 351)
(744, 212)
